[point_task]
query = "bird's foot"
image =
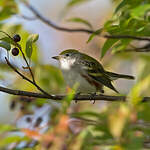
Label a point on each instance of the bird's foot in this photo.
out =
(91, 97)
(77, 94)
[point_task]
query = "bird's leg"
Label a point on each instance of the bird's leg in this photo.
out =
(99, 91)
(94, 94)
(91, 96)
(77, 94)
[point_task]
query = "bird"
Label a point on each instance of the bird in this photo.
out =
(78, 67)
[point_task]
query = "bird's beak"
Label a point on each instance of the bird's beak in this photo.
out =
(56, 57)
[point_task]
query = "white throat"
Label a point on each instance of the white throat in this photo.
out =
(66, 64)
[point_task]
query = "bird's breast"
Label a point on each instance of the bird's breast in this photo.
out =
(72, 77)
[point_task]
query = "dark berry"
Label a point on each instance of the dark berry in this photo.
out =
(15, 51)
(16, 38)
(38, 122)
(28, 119)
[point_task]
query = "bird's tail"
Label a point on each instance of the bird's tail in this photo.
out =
(114, 76)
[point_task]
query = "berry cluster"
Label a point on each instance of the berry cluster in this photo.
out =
(15, 51)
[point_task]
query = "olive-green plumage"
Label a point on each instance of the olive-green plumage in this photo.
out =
(88, 68)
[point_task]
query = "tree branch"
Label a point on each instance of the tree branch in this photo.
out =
(52, 24)
(61, 97)
(24, 57)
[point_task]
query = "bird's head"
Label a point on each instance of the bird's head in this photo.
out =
(67, 58)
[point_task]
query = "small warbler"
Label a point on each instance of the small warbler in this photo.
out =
(80, 68)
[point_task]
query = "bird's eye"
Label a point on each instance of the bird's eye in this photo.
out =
(67, 55)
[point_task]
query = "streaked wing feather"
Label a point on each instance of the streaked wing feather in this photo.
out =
(105, 81)
(95, 71)
(90, 63)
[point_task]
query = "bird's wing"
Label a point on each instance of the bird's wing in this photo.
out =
(103, 80)
(95, 71)
(89, 63)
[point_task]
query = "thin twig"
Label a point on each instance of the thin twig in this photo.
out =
(11, 66)
(25, 78)
(145, 48)
(24, 57)
(126, 37)
(52, 24)
(134, 50)
(26, 17)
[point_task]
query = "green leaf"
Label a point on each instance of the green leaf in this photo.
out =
(29, 44)
(97, 32)
(72, 3)
(12, 29)
(86, 114)
(121, 5)
(121, 45)
(8, 40)
(11, 139)
(140, 11)
(50, 78)
(80, 20)
(138, 89)
(107, 45)
(5, 128)
(34, 37)
(5, 45)
(134, 142)
(29, 49)
(8, 8)
(70, 95)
